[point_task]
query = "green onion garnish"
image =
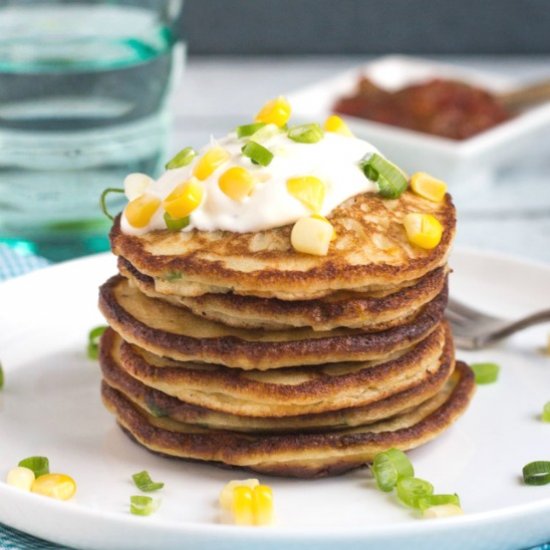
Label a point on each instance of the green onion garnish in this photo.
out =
(175, 224)
(40, 465)
(306, 133)
(1, 376)
(485, 373)
(143, 506)
(183, 158)
(257, 153)
(249, 129)
(545, 412)
(389, 467)
(390, 179)
(411, 489)
(93, 341)
(437, 500)
(537, 473)
(144, 482)
(103, 200)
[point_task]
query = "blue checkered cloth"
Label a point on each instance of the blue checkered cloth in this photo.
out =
(13, 263)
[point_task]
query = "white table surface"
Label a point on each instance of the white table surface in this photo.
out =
(511, 214)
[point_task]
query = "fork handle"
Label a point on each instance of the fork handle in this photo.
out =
(529, 321)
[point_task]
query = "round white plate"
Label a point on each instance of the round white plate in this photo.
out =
(50, 406)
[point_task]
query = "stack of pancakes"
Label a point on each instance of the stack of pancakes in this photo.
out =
(234, 348)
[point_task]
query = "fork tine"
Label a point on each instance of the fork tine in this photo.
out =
(458, 309)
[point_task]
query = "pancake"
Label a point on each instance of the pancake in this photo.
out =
(174, 332)
(370, 251)
(158, 403)
(285, 392)
(298, 455)
(376, 310)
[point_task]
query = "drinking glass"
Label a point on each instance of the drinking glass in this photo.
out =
(84, 94)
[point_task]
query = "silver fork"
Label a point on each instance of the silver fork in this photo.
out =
(473, 329)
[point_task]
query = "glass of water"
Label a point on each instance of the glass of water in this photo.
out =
(84, 93)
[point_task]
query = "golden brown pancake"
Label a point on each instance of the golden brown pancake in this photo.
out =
(369, 310)
(158, 403)
(371, 251)
(292, 454)
(174, 332)
(291, 391)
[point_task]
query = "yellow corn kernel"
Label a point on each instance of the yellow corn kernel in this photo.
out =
(277, 111)
(210, 162)
(336, 125)
(185, 198)
(443, 511)
(20, 477)
(226, 495)
(140, 211)
(428, 187)
(262, 497)
(423, 230)
(59, 486)
(136, 184)
(309, 190)
(243, 506)
(312, 235)
(236, 182)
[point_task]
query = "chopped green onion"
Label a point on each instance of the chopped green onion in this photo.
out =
(389, 467)
(437, 500)
(103, 200)
(175, 224)
(537, 473)
(545, 411)
(40, 465)
(267, 132)
(144, 482)
(390, 179)
(306, 133)
(249, 129)
(411, 489)
(141, 505)
(485, 373)
(257, 153)
(93, 341)
(173, 276)
(1, 376)
(183, 158)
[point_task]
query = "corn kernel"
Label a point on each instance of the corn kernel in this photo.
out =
(226, 495)
(309, 190)
(312, 235)
(336, 125)
(277, 111)
(59, 486)
(136, 184)
(428, 187)
(20, 477)
(243, 506)
(210, 162)
(423, 230)
(443, 511)
(262, 497)
(237, 183)
(185, 198)
(140, 211)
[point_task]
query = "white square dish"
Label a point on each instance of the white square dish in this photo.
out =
(469, 161)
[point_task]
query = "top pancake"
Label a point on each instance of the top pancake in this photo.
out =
(370, 251)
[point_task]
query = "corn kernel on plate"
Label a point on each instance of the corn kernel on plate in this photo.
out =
(50, 406)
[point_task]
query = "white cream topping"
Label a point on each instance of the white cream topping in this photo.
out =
(334, 160)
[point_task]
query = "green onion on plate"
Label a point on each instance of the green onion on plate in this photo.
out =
(183, 158)
(545, 416)
(437, 500)
(257, 153)
(141, 505)
(389, 467)
(537, 473)
(391, 181)
(93, 341)
(247, 130)
(40, 465)
(306, 133)
(144, 482)
(1, 376)
(411, 489)
(485, 373)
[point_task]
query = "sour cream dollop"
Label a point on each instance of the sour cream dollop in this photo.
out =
(334, 160)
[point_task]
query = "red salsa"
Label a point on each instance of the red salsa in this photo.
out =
(446, 108)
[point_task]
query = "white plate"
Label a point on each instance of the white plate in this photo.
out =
(50, 406)
(469, 161)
